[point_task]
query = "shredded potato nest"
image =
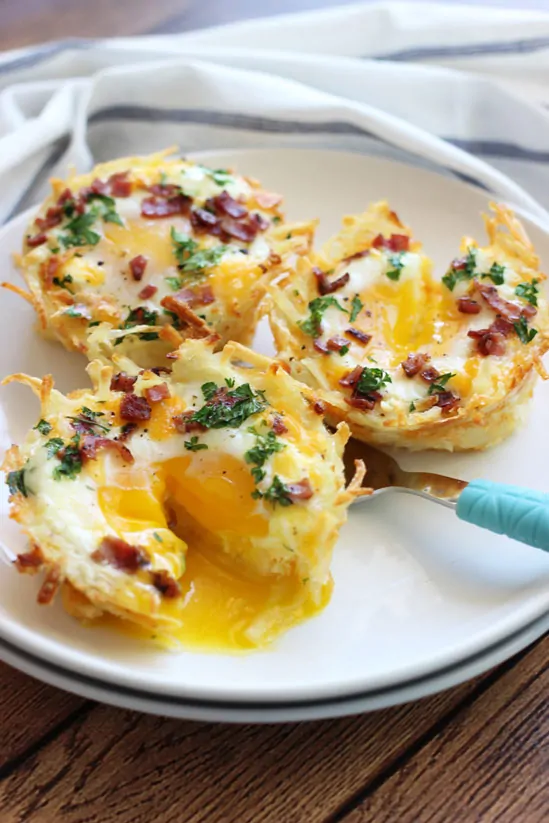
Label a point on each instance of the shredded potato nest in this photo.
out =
(155, 241)
(404, 358)
(124, 495)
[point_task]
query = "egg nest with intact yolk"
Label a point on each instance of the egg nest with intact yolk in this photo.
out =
(155, 241)
(200, 505)
(407, 359)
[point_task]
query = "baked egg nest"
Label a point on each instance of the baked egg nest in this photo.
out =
(156, 242)
(404, 358)
(200, 501)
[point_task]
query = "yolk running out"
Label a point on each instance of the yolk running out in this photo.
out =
(224, 606)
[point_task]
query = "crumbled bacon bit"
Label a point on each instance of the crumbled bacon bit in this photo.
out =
(91, 444)
(414, 363)
(203, 220)
(508, 310)
(337, 343)
(158, 207)
(318, 407)
(352, 377)
(165, 584)
(359, 335)
(122, 382)
(49, 587)
(321, 346)
(459, 263)
(49, 270)
(116, 552)
(65, 195)
(155, 394)
(447, 401)
(147, 292)
(36, 240)
(362, 403)
(323, 284)
(267, 199)
(395, 243)
(278, 425)
(134, 408)
(430, 374)
(300, 491)
(225, 204)
(488, 342)
(29, 562)
(161, 370)
(166, 190)
(137, 266)
(202, 296)
(245, 230)
(119, 185)
(502, 326)
(184, 424)
(53, 217)
(467, 306)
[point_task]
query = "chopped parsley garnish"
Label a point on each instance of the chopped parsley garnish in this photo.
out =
(230, 381)
(276, 493)
(265, 446)
(228, 409)
(439, 384)
(313, 324)
(496, 274)
(93, 323)
(105, 207)
(62, 282)
(193, 445)
(43, 427)
(372, 380)
(191, 258)
(157, 537)
(175, 283)
(276, 220)
(86, 420)
(412, 407)
(343, 350)
(16, 482)
(356, 307)
(72, 311)
(525, 334)
(220, 176)
(467, 272)
(70, 462)
(396, 264)
(528, 291)
(80, 232)
(140, 316)
(53, 446)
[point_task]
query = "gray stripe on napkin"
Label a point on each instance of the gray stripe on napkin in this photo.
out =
(466, 50)
(42, 53)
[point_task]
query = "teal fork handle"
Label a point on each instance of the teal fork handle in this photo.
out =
(522, 514)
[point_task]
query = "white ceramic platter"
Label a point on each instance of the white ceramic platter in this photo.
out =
(421, 600)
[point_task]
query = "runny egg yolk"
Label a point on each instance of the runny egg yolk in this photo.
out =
(154, 236)
(221, 598)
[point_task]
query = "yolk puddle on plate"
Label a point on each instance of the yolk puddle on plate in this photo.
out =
(222, 598)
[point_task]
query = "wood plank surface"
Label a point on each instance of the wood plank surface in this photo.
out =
(489, 763)
(145, 769)
(29, 710)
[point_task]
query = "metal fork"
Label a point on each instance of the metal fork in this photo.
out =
(520, 513)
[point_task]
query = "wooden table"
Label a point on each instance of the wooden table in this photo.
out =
(476, 753)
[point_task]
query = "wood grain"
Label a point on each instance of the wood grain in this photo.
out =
(29, 710)
(144, 769)
(490, 763)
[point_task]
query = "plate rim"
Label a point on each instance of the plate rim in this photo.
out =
(63, 652)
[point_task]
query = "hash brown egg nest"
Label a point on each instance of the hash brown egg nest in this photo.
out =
(406, 359)
(202, 504)
(155, 241)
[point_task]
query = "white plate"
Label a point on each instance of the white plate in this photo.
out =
(417, 592)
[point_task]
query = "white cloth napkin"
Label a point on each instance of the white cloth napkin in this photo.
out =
(458, 89)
